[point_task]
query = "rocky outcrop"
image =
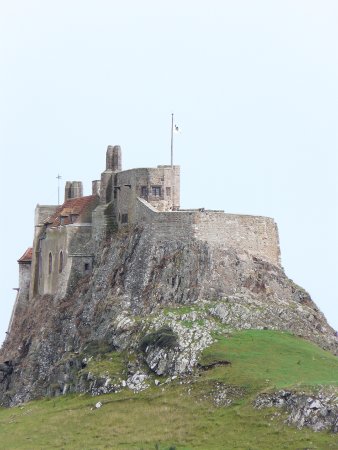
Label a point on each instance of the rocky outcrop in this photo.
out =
(181, 356)
(318, 411)
(6, 369)
(136, 283)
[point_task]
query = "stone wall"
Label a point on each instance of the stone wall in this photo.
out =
(54, 242)
(106, 184)
(63, 255)
(23, 292)
(167, 225)
(42, 212)
(128, 185)
(253, 235)
(99, 224)
(24, 277)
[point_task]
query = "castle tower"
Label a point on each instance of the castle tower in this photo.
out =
(73, 189)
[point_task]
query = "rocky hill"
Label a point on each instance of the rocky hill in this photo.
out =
(122, 291)
(156, 306)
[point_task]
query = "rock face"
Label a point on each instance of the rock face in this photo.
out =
(132, 292)
(318, 411)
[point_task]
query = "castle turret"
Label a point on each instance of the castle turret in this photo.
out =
(73, 189)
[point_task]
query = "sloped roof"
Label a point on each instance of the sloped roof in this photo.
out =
(71, 210)
(27, 256)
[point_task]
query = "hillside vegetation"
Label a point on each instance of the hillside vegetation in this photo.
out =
(212, 409)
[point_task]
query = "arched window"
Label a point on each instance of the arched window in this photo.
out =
(50, 263)
(60, 261)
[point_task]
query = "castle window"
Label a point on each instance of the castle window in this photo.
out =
(86, 267)
(124, 218)
(115, 193)
(168, 191)
(73, 217)
(61, 261)
(144, 191)
(50, 263)
(156, 191)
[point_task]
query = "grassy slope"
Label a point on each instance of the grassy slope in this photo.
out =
(183, 416)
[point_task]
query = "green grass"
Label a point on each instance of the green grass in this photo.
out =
(112, 364)
(190, 324)
(281, 358)
(183, 415)
(180, 310)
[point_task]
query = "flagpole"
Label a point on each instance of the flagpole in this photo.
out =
(172, 140)
(59, 178)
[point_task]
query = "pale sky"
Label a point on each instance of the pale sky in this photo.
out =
(252, 83)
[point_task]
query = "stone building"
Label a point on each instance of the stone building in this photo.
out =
(59, 249)
(68, 236)
(159, 186)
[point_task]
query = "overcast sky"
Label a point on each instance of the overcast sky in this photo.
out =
(252, 83)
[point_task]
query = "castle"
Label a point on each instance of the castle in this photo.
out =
(67, 236)
(104, 269)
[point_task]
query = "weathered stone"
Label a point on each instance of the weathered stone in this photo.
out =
(6, 368)
(319, 411)
(137, 382)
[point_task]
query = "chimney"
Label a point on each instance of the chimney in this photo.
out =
(73, 189)
(114, 158)
(96, 185)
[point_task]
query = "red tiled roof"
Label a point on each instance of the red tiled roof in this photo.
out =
(27, 256)
(73, 207)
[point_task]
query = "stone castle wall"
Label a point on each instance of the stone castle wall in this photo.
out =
(128, 186)
(42, 212)
(255, 235)
(22, 297)
(71, 241)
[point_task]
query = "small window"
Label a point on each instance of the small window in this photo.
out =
(144, 191)
(168, 191)
(86, 267)
(115, 193)
(61, 261)
(50, 263)
(156, 191)
(124, 218)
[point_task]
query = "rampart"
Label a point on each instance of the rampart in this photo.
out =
(255, 235)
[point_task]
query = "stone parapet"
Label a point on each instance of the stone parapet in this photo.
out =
(255, 235)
